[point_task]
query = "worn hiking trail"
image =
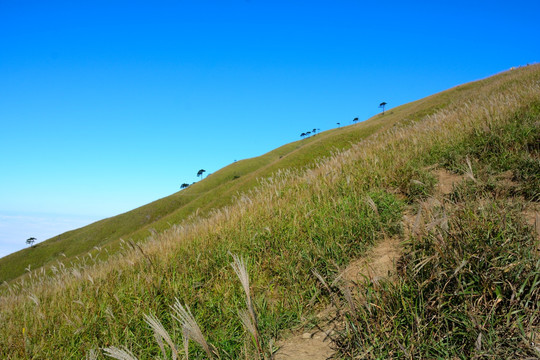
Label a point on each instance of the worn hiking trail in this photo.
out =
(316, 344)
(379, 263)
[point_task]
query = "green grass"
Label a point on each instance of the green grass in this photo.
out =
(317, 214)
(513, 147)
(217, 190)
(469, 289)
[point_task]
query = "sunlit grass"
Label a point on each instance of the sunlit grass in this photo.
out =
(320, 217)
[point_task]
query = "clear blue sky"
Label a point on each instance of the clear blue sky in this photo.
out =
(108, 105)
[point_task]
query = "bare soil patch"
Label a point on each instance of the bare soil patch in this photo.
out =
(446, 181)
(531, 214)
(316, 344)
(377, 264)
(532, 217)
(310, 345)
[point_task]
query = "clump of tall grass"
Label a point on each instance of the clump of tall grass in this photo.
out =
(472, 292)
(161, 334)
(248, 316)
(191, 329)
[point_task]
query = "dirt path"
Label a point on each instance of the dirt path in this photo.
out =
(379, 262)
(532, 216)
(446, 181)
(316, 344)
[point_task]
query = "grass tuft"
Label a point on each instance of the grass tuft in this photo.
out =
(161, 334)
(191, 328)
(248, 317)
(119, 353)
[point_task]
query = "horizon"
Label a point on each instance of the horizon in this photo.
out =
(107, 107)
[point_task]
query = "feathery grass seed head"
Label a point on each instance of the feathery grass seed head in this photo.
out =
(240, 269)
(161, 333)
(190, 326)
(120, 354)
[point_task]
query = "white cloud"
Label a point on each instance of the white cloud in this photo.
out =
(16, 228)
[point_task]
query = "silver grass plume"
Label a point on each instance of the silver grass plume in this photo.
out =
(239, 267)
(245, 317)
(91, 354)
(120, 354)
(159, 340)
(191, 329)
(372, 204)
(185, 340)
(161, 333)
(321, 279)
(346, 290)
(248, 317)
(469, 172)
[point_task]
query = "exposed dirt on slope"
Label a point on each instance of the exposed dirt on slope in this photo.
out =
(316, 344)
(532, 216)
(310, 345)
(379, 263)
(446, 181)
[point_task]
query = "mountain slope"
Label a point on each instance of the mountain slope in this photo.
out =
(215, 191)
(317, 220)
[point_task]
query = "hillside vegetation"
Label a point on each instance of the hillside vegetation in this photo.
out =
(467, 284)
(217, 190)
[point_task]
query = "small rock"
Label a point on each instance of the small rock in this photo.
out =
(306, 336)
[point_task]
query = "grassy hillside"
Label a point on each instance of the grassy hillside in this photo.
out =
(215, 191)
(471, 272)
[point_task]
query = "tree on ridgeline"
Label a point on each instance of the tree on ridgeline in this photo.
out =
(308, 133)
(200, 173)
(184, 185)
(31, 241)
(302, 135)
(314, 131)
(355, 120)
(338, 124)
(382, 105)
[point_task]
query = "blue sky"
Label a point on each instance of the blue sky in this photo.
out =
(108, 105)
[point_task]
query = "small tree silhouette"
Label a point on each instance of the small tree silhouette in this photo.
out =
(200, 173)
(314, 131)
(31, 241)
(355, 120)
(184, 185)
(338, 124)
(308, 133)
(382, 105)
(302, 135)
